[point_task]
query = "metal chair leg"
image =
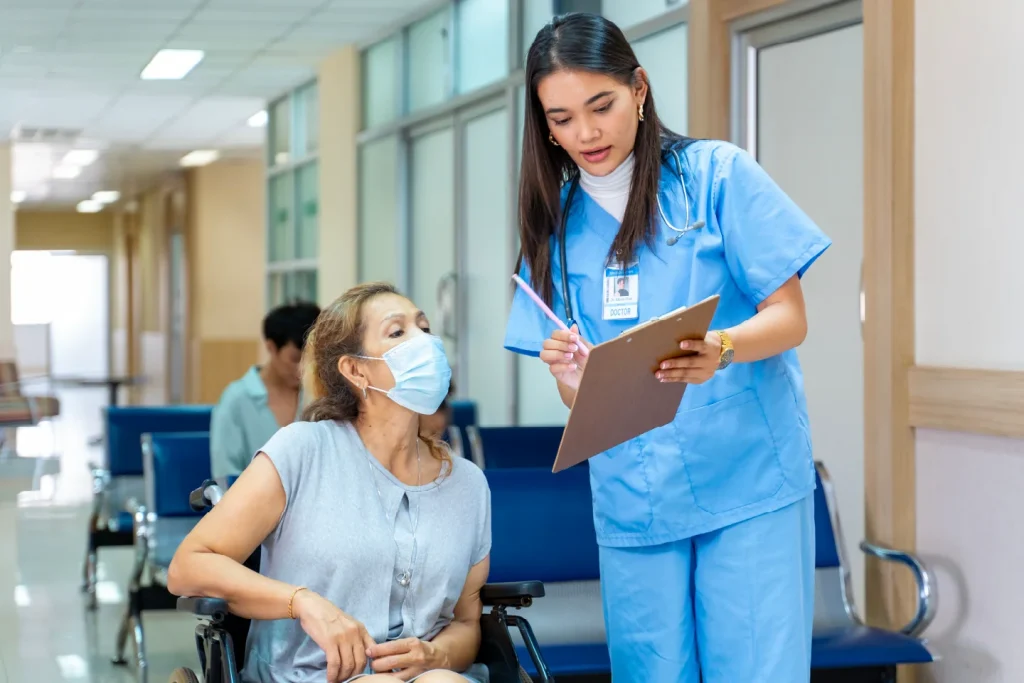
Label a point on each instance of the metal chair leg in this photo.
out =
(122, 638)
(90, 579)
(140, 650)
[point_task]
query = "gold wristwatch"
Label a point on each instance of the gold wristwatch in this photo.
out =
(725, 357)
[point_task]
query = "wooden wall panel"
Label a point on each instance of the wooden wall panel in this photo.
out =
(218, 362)
(890, 477)
(976, 401)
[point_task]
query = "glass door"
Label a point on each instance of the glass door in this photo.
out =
(432, 263)
(801, 111)
(487, 260)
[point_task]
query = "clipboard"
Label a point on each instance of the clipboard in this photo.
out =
(619, 397)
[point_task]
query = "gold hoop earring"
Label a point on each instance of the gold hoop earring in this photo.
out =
(552, 139)
(640, 110)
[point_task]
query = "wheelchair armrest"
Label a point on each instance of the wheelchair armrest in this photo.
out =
(926, 593)
(511, 594)
(214, 608)
(206, 496)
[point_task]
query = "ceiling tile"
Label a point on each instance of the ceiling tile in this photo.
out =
(241, 136)
(134, 118)
(76, 64)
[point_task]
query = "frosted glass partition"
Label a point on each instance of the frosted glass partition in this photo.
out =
(378, 210)
(307, 210)
(432, 230)
(482, 43)
(536, 13)
(539, 403)
(429, 65)
(520, 122)
(627, 14)
(380, 82)
(280, 219)
(489, 262)
(663, 56)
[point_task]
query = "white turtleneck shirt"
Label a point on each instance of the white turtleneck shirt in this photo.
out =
(611, 192)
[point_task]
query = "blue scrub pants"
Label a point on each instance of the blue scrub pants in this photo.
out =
(730, 606)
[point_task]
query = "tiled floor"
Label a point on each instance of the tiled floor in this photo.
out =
(46, 633)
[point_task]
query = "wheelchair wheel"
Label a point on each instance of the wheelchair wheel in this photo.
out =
(183, 676)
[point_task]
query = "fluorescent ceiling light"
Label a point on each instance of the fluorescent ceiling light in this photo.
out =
(200, 157)
(81, 157)
(66, 171)
(18, 196)
(106, 196)
(89, 206)
(259, 119)
(171, 64)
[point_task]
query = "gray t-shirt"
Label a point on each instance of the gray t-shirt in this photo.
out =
(333, 538)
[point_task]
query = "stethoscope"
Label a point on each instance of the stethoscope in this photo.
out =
(677, 232)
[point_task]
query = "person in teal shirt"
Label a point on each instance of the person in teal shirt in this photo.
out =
(267, 397)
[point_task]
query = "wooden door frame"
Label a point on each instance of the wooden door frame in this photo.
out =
(889, 466)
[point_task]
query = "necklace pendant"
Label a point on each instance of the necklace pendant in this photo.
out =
(404, 578)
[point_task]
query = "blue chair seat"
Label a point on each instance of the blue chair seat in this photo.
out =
(863, 646)
(123, 521)
(569, 660)
(167, 533)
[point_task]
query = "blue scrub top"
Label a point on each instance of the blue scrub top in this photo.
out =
(740, 444)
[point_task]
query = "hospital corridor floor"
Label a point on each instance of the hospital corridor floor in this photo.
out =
(46, 633)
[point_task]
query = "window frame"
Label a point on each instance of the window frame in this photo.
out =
(288, 270)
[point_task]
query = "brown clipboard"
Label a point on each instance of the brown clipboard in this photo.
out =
(619, 397)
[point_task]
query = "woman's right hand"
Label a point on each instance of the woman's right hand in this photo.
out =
(562, 354)
(343, 639)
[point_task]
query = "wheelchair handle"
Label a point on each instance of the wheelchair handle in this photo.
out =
(206, 496)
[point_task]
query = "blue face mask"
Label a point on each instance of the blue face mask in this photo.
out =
(421, 371)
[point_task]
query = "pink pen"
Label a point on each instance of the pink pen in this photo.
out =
(584, 351)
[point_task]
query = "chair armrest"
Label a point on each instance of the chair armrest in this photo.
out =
(511, 594)
(206, 496)
(926, 591)
(214, 608)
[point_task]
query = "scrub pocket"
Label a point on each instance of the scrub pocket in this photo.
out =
(730, 455)
(622, 491)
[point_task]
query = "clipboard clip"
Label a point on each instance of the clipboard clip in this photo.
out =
(655, 319)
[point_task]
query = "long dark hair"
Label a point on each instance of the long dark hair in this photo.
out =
(582, 42)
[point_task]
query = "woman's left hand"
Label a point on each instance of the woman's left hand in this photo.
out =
(406, 658)
(697, 368)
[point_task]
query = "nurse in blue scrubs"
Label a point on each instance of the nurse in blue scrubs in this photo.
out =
(706, 525)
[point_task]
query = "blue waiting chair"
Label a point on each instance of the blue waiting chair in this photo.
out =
(843, 645)
(117, 486)
(172, 464)
(505, 447)
(542, 526)
(463, 415)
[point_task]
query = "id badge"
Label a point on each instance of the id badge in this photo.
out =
(622, 292)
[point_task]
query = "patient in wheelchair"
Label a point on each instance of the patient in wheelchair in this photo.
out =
(374, 542)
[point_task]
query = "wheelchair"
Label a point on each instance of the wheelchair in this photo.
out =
(220, 635)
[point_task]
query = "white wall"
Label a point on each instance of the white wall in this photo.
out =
(969, 285)
(7, 351)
